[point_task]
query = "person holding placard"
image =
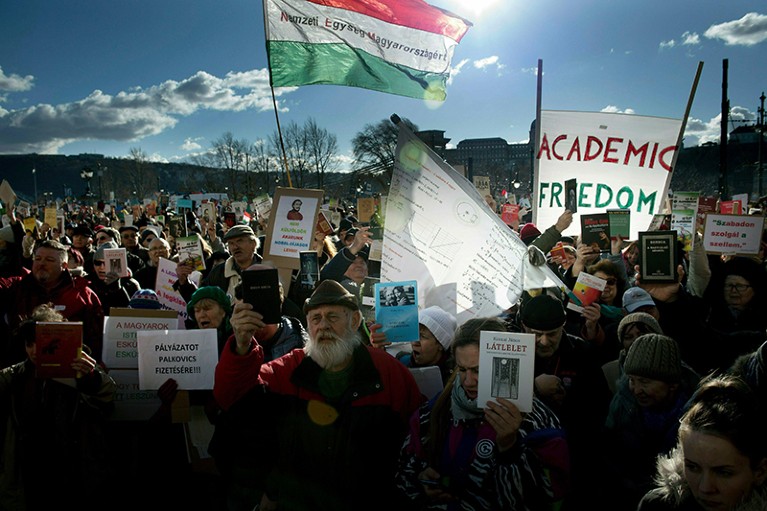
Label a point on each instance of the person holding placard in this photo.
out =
(476, 456)
(52, 428)
(342, 407)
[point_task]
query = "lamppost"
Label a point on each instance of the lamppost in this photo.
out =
(86, 175)
(100, 173)
(760, 130)
(34, 178)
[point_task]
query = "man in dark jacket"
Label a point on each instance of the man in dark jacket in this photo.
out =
(570, 381)
(343, 407)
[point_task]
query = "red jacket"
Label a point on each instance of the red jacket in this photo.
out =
(71, 297)
(332, 455)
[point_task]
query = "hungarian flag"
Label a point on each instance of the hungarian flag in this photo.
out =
(401, 47)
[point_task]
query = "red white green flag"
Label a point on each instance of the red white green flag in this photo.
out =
(400, 47)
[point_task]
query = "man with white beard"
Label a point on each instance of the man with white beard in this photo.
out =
(342, 406)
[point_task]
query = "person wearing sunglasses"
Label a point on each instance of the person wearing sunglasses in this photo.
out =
(112, 290)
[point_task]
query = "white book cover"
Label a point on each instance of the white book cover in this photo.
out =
(506, 368)
(116, 261)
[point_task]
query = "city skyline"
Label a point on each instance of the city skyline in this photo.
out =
(170, 78)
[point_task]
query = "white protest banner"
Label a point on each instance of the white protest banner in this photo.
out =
(169, 297)
(621, 162)
(189, 357)
(440, 232)
(733, 234)
(132, 403)
(120, 347)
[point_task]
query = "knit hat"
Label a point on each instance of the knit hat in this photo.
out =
(144, 299)
(330, 292)
(239, 230)
(110, 231)
(636, 297)
(528, 233)
(638, 317)
(215, 293)
(543, 312)
(440, 323)
(344, 225)
(99, 254)
(654, 356)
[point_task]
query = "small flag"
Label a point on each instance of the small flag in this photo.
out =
(399, 47)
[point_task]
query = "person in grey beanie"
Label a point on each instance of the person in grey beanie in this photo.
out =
(644, 416)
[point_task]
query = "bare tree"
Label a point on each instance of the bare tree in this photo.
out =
(323, 149)
(296, 150)
(375, 147)
(228, 154)
(140, 173)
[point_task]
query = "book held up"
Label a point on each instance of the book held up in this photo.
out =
(57, 345)
(506, 368)
(587, 290)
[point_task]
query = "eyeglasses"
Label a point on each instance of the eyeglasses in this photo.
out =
(102, 238)
(611, 281)
(98, 263)
(736, 287)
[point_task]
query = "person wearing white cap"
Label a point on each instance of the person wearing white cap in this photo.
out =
(436, 329)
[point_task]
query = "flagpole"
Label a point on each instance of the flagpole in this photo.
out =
(536, 144)
(274, 99)
(279, 132)
(681, 130)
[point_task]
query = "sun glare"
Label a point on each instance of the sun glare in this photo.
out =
(473, 8)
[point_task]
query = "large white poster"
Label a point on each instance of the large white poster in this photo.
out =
(440, 232)
(620, 161)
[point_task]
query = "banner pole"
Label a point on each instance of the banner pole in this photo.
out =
(536, 144)
(681, 130)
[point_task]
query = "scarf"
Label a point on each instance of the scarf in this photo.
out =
(461, 406)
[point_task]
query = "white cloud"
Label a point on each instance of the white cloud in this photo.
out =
(749, 30)
(612, 109)
(456, 70)
(134, 114)
(690, 39)
(14, 82)
(667, 44)
(699, 132)
(191, 144)
(488, 61)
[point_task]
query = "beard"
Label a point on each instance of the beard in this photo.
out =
(331, 350)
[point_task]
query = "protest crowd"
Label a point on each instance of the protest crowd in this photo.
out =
(650, 396)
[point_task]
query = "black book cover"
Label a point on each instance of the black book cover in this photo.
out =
(571, 195)
(658, 256)
(261, 289)
(595, 231)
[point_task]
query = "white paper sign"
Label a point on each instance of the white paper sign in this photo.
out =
(733, 234)
(440, 232)
(189, 357)
(506, 368)
(621, 161)
(169, 297)
(120, 346)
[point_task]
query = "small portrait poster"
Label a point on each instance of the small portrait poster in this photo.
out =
(396, 309)
(293, 222)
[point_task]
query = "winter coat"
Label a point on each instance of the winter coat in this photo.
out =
(673, 493)
(480, 477)
(332, 455)
(71, 297)
(53, 441)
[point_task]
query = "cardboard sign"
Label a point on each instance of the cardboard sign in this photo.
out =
(732, 234)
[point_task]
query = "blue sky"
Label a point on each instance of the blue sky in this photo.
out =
(170, 77)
